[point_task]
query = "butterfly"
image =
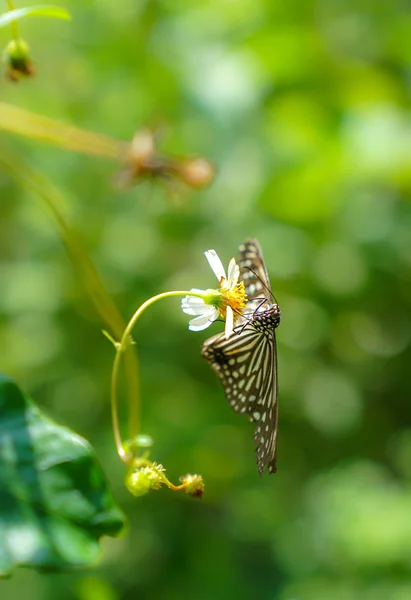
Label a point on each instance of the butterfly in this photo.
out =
(246, 363)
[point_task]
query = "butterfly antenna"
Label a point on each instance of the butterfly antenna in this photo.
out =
(265, 286)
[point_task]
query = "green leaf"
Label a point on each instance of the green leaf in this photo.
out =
(53, 12)
(55, 503)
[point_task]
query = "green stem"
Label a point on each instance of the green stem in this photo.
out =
(121, 347)
(83, 265)
(14, 25)
(43, 129)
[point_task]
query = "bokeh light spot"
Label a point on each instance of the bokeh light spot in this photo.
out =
(339, 269)
(332, 402)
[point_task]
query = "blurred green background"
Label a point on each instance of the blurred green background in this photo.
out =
(304, 106)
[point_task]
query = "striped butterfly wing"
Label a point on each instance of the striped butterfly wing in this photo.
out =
(255, 276)
(246, 363)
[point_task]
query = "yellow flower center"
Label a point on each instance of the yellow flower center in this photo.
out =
(234, 297)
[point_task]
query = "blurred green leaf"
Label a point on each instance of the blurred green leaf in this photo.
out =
(54, 498)
(54, 12)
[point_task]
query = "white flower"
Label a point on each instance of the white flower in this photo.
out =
(205, 314)
(207, 305)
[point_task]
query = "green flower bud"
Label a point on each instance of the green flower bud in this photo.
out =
(141, 441)
(17, 58)
(194, 485)
(140, 481)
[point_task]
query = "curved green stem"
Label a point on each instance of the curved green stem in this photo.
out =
(84, 267)
(121, 347)
(14, 25)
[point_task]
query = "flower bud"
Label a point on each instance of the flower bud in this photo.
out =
(17, 58)
(140, 481)
(142, 147)
(196, 172)
(132, 447)
(194, 485)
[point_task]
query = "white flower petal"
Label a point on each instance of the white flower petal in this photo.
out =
(206, 309)
(193, 308)
(203, 321)
(192, 301)
(229, 322)
(233, 273)
(192, 305)
(215, 263)
(193, 312)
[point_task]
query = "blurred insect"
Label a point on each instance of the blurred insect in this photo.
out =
(246, 363)
(144, 161)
